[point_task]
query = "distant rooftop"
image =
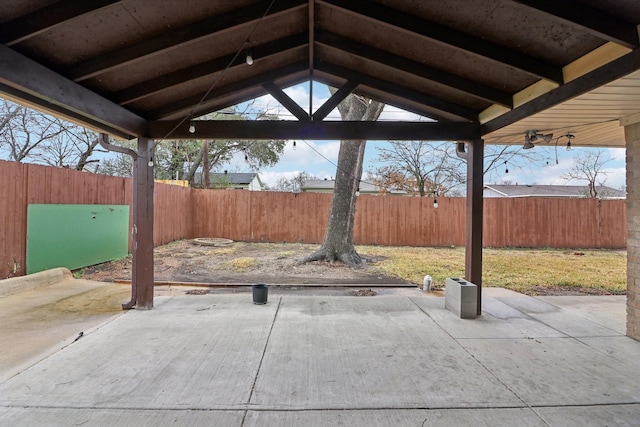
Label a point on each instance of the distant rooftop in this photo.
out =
(495, 190)
(327, 185)
(233, 178)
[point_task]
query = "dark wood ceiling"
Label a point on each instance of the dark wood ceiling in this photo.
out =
(122, 66)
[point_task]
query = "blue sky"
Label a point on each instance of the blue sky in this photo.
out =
(319, 157)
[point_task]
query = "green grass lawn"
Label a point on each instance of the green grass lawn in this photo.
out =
(530, 271)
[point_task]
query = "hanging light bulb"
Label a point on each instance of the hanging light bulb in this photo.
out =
(506, 167)
(192, 127)
(249, 58)
(294, 144)
(435, 203)
(569, 145)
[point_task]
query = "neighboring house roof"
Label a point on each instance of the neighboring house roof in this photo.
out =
(249, 181)
(234, 178)
(491, 190)
(326, 186)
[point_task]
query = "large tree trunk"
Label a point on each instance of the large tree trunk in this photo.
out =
(338, 236)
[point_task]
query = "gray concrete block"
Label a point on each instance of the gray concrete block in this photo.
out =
(461, 297)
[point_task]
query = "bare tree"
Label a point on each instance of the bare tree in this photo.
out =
(338, 237)
(428, 168)
(589, 167)
(85, 142)
(72, 148)
(28, 134)
(118, 164)
(25, 130)
(418, 167)
(295, 183)
(8, 111)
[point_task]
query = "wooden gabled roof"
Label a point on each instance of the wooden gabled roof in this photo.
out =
(480, 68)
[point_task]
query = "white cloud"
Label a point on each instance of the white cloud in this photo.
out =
(271, 178)
(617, 153)
(616, 177)
(391, 113)
(310, 154)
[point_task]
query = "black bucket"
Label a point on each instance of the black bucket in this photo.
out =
(260, 293)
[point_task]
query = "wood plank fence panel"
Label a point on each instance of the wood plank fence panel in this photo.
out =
(13, 219)
(313, 215)
(276, 217)
(368, 214)
(286, 217)
(24, 184)
(554, 222)
(169, 200)
(449, 228)
(221, 213)
(613, 224)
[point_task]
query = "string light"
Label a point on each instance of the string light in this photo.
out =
(192, 127)
(214, 84)
(569, 137)
(249, 58)
(294, 145)
(435, 203)
(506, 167)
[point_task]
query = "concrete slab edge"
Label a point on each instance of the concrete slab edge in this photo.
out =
(32, 281)
(302, 285)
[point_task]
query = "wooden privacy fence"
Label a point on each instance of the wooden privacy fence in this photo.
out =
(412, 221)
(182, 213)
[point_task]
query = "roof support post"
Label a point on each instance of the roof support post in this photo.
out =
(632, 136)
(473, 247)
(142, 271)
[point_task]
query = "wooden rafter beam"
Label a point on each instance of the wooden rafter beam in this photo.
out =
(447, 36)
(410, 94)
(318, 130)
(596, 22)
(311, 13)
(607, 73)
(335, 99)
(31, 83)
(176, 38)
(475, 89)
(198, 106)
(25, 27)
(286, 101)
(158, 84)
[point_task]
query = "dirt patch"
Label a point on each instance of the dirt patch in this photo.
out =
(104, 300)
(364, 293)
(566, 290)
(240, 262)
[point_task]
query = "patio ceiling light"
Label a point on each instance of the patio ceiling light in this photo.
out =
(532, 136)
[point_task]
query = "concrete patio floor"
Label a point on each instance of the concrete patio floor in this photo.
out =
(302, 359)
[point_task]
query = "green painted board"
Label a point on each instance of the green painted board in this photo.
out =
(75, 236)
